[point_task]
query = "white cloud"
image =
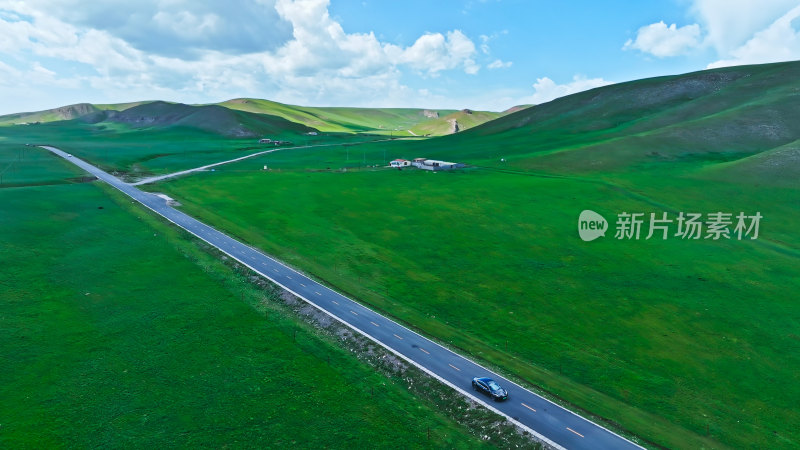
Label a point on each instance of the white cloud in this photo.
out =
(498, 64)
(732, 31)
(730, 23)
(183, 28)
(434, 52)
(484, 44)
(317, 62)
(546, 89)
(661, 40)
(778, 42)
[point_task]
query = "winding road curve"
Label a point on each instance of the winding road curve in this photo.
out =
(548, 421)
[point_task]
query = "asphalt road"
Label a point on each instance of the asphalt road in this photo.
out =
(543, 418)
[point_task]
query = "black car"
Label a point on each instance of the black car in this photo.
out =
(490, 387)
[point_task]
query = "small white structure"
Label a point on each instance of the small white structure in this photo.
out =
(435, 164)
(400, 163)
(265, 141)
(312, 133)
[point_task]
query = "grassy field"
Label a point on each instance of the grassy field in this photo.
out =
(670, 338)
(686, 343)
(139, 153)
(26, 166)
(118, 331)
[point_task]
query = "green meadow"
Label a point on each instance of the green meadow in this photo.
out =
(686, 343)
(118, 331)
(137, 153)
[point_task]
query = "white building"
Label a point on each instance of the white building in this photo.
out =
(400, 163)
(435, 164)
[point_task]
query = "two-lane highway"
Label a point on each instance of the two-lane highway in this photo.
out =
(548, 421)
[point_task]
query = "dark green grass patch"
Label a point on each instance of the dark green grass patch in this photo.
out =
(117, 332)
(21, 165)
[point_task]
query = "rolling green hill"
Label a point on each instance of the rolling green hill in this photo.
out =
(778, 167)
(714, 115)
(333, 119)
(211, 118)
(68, 112)
(390, 121)
(454, 122)
(383, 120)
(51, 115)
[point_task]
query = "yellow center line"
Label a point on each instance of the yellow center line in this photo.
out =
(454, 367)
(424, 350)
(570, 429)
(523, 404)
(353, 312)
(374, 323)
(398, 337)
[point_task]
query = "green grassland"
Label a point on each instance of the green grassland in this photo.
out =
(689, 344)
(118, 331)
(686, 343)
(139, 152)
(664, 337)
(25, 166)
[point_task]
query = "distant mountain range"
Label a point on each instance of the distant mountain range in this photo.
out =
(743, 119)
(246, 117)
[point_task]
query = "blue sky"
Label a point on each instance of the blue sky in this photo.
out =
(480, 54)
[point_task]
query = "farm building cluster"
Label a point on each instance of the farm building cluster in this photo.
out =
(425, 164)
(273, 142)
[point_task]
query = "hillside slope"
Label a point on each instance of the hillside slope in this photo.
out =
(340, 119)
(50, 115)
(327, 119)
(69, 112)
(212, 118)
(454, 122)
(722, 114)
